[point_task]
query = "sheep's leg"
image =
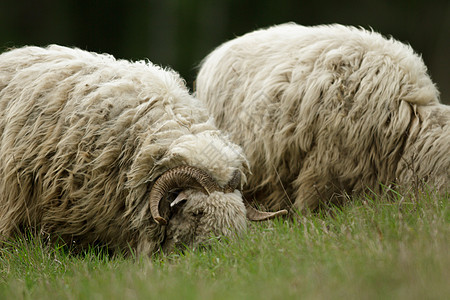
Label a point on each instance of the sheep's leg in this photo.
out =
(309, 194)
(312, 185)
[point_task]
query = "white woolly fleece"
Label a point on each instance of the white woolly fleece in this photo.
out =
(83, 136)
(325, 109)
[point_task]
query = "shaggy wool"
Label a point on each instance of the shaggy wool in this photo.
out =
(327, 110)
(83, 136)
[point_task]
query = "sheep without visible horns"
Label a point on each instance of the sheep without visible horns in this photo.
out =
(327, 109)
(103, 151)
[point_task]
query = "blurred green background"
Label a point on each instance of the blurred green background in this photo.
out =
(179, 33)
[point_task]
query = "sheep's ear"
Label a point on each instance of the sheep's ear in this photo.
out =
(182, 197)
(256, 215)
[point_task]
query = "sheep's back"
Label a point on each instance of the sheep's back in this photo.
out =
(287, 92)
(78, 131)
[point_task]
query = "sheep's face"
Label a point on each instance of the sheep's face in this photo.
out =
(426, 158)
(196, 217)
(195, 207)
(438, 137)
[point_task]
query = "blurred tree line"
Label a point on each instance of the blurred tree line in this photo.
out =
(179, 33)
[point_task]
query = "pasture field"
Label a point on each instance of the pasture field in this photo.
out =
(377, 247)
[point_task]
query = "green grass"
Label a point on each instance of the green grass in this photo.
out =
(368, 249)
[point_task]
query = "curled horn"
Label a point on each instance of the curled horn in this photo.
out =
(179, 177)
(253, 214)
(256, 215)
(234, 182)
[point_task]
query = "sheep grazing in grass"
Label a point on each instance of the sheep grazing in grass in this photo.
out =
(103, 151)
(325, 111)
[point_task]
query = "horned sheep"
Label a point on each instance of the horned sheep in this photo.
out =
(327, 110)
(103, 151)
